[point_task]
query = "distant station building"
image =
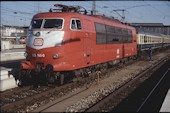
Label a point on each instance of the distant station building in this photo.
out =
(12, 31)
(158, 28)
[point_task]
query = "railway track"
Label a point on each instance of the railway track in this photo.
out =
(57, 102)
(114, 98)
(149, 96)
(20, 94)
(36, 97)
(24, 99)
(44, 95)
(140, 108)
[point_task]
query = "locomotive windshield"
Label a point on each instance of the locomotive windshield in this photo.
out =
(53, 23)
(47, 23)
(37, 23)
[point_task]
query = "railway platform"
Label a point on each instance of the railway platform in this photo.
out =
(166, 104)
(6, 82)
(11, 55)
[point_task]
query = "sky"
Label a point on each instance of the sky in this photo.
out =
(20, 13)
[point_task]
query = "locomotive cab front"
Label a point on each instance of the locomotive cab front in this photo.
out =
(52, 43)
(44, 41)
(43, 47)
(55, 45)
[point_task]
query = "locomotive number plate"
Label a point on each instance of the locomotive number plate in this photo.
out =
(38, 55)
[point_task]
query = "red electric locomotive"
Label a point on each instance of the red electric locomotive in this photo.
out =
(67, 42)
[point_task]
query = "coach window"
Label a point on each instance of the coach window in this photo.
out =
(145, 39)
(142, 39)
(76, 24)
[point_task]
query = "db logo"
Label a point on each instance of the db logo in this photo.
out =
(38, 42)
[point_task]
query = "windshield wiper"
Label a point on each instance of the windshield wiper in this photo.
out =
(56, 27)
(51, 30)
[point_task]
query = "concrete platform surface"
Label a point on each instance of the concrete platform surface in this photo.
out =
(6, 82)
(7, 45)
(17, 46)
(13, 50)
(14, 54)
(166, 104)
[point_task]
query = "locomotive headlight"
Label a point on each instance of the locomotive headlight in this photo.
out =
(55, 56)
(25, 54)
(37, 34)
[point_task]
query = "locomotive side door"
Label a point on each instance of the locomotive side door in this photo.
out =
(123, 50)
(87, 41)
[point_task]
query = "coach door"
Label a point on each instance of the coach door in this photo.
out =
(87, 41)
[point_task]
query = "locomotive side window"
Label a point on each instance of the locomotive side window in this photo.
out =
(118, 35)
(73, 24)
(129, 35)
(112, 34)
(53, 23)
(76, 24)
(100, 33)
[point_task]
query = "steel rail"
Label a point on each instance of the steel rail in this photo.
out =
(152, 90)
(113, 94)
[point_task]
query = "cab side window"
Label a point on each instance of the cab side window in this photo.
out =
(73, 24)
(76, 24)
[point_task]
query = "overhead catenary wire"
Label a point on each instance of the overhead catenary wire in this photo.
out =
(160, 12)
(15, 11)
(136, 6)
(15, 15)
(102, 7)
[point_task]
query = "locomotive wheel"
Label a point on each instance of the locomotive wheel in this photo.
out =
(42, 78)
(38, 78)
(25, 81)
(35, 79)
(24, 78)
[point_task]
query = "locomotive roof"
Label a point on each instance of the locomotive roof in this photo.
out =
(74, 14)
(53, 14)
